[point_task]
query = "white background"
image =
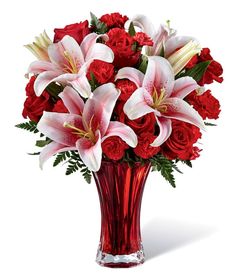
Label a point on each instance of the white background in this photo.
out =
(49, 223)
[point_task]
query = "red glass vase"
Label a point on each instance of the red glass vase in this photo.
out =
(120, 188)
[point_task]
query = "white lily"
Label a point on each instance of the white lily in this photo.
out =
(177, 49)
(159, 93)
(68, 63)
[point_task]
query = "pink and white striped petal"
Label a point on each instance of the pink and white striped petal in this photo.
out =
(43, 80)
(90, 153)
(159, 75)
(132, 74)
(179, 109)
(101, 52)
(139, 104)
(50, 150)
(90, 40)
(176, 42)
(123, 131)
(81, 85)
(52, 126)
(165, 131)
(99, 107)
(40, 66)
(143, 23)
(184, 86)
(72, 100)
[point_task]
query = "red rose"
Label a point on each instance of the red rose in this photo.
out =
(102, 71)
(213, 71)
(114, 147)
(122, 45)
(206, 104)
(126, 88)
(59, 107)
(114, 20)
(180, 143)
(78, 31)
(144, 149)
(143, 39)
(34, 105)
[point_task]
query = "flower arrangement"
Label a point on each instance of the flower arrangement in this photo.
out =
(119, 89)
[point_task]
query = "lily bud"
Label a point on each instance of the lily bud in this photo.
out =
(39, 48)
(180, 58)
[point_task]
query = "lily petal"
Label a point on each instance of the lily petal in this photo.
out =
(99, 107)
(101, 52)
(90, 153)
(132, 74)
(176, 42)
(40, 66)
(181, 110)
(117, 128)
(68, 46)
(184, 86)
(43, 80)
(165, 131)
(52, 125)
(89, 40)
(81, 85)
(159, 75)
(50, 150)
(143, 23)
(72, 100)
(138, 104)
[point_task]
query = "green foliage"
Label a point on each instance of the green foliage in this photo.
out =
(54, 89)
(74, 164)
(42, 143)
(209, 124)
(197, 71)
(132, 31)
(30, 126)
(187, 162)
(99, 26)
(165, 166)
(93, 82)
(143, 65)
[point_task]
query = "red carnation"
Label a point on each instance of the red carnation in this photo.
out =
(78, 31)
(114, 20)
(114, 147)
(206, 104)
(144, 149)
(59, 107)
(180, 143)
(126, 88)
(143, 39)
(103, 71)
(214, 69)
(122, 45)
(34, 106)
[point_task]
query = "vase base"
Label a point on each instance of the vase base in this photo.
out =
(122, 261)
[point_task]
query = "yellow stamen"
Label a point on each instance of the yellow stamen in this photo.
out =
(72, 66)
(81, 133)
(158, 100)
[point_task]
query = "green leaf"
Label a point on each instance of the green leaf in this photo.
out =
(132, 31)
(93, 82)
(30, 126)
(165, 166)
(197, 71)
(143, 65)
(60, 158)
(187, 162)
(99, 26)
(54, 90)
(34, 154)
(42, 143)
(209, 124)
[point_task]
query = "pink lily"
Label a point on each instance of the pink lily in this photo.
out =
(160, 93)
(85, 127)
(68, 62)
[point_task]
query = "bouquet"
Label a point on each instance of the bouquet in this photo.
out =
(120, 90)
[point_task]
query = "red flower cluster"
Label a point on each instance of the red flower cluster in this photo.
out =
(214, 70)
(78, 31)
(103, 71)
(114, 148)
(144, 149)
(206, 104)
(143, 39)
(181, 141)
(122, 45)
(114, 20)
(34, 105)
(126, 88)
